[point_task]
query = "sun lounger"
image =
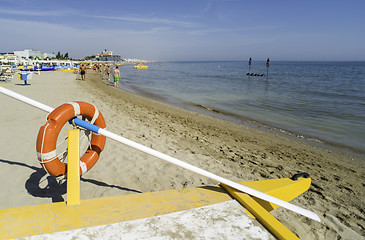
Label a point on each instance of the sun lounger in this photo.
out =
(6, 74)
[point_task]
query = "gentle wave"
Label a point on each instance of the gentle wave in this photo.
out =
(323, 100)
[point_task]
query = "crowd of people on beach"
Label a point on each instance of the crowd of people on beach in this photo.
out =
(99, 68)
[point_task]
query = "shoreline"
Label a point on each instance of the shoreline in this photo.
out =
(230, 150)
(250, 122)
(331, 132)
(247, 121)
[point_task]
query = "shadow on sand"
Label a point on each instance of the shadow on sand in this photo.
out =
(53, 189)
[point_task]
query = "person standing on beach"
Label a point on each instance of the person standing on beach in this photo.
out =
(82, 71)
(116, 74)
(107, 72)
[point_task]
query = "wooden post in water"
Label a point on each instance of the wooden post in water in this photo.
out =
(267, 68)
(249, 65)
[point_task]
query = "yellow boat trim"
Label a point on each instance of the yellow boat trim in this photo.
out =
(26, 67)
(283, 188)
(262, 215)
(140, 66)
(68, 70)
(56, 217)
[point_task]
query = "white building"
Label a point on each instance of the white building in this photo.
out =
(48, 55)
(30, 53)
(107, 52)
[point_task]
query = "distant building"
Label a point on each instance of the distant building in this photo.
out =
(48, 55)
(7, 58)
(136, 60)
(30, 53)
(107, 52)
(107, 55)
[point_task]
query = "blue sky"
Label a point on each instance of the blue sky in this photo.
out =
(188, 30)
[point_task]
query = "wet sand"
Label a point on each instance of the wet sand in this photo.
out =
(228, 149)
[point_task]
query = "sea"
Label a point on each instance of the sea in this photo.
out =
(323, 102)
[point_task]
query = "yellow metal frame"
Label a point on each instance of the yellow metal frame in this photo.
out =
(73, 168)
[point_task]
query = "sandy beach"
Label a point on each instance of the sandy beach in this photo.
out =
(231, 150)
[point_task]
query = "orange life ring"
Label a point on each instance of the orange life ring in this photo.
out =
(48, 134)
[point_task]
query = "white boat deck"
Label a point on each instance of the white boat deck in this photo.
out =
(226, 220)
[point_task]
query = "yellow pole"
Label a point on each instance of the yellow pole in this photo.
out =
(73, 168)
(262, 215)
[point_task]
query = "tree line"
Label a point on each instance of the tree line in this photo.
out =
(61, 56)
